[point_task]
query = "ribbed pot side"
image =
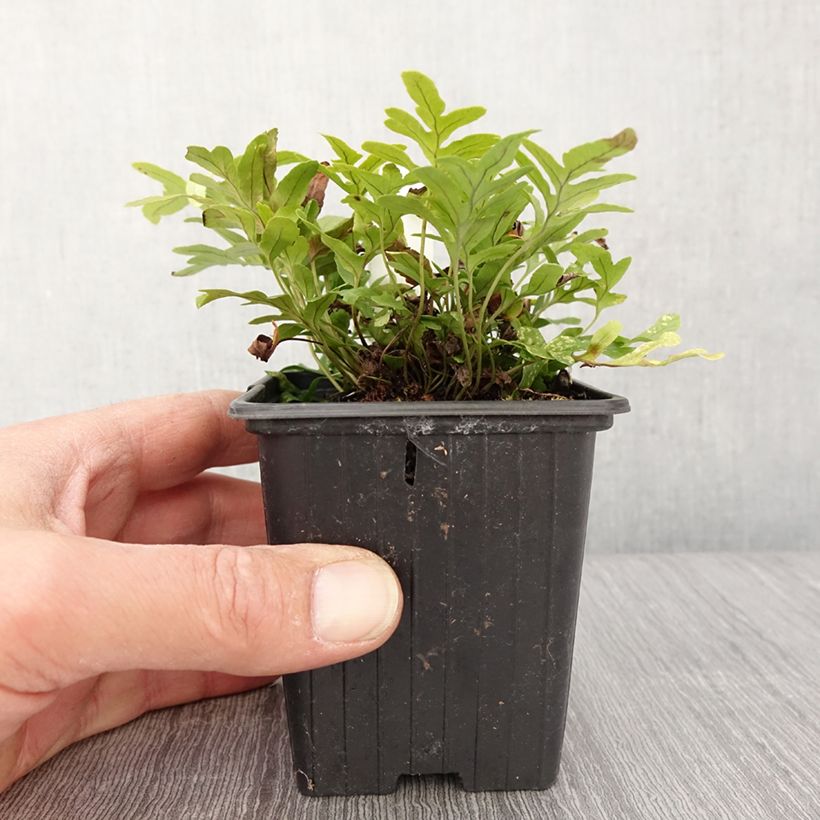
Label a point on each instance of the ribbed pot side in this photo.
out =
(483, 519)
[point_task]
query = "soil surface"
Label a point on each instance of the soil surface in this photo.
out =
(380, 383)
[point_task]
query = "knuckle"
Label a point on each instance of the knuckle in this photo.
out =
(26, 585)
(247, 594)
(30, 599)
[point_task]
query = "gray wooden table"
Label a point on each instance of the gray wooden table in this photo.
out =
(696, 694)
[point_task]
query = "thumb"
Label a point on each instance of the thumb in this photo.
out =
(243, 610)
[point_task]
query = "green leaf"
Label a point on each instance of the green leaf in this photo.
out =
(256, 168)
(543, 280)
(444, 189)
(364, 211)
(155, 207)
(499, 157)
(296, 252)
(374, 296)
(565, 320)
(251, 297)
(592, 155)
(389, 152)
(547, 162)
(669, 322)
(270, 159)
(227, 216)
(172, 183)
(374, 184)
(503, 250)
(219, 162)
(350, 264)
(560, 227)
(407, 125)
(583, 193)
(458, 118)
(341, 320)
(300, 276)
(231, 237)
(267, 319)
(402, 205)
(340, 180)
(601, 340)
(279, 233)
(530, 373)
(335, 225)
(504, 209)
(606, 207)
(215, 191)
(316, 309)
(470, 147)
(222, 254)
(540, 182)
(264, 212)
(610, 272)
(289, 157)
(608, 300)
(289, 330)
(638, 357)
(585, 252)
(423, 92)
(559, 349)
(583, 239)
(409, 266)
(347, 154)
(291, 191)
(242, 252)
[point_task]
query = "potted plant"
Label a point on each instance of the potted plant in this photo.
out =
(440, 426)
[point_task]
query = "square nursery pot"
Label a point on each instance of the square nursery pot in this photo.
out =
(481, 508)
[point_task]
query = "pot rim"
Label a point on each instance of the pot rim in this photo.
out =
(257, 403)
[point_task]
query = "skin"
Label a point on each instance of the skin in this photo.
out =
(132, 580)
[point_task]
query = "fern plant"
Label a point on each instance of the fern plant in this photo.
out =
(458, 271)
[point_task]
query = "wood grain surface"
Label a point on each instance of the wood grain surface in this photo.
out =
(696, 694)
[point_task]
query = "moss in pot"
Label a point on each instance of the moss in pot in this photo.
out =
(440, 425)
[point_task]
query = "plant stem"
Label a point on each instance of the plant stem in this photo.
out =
(315, 277)
(422, 289)
(328, 375)
(354, 315)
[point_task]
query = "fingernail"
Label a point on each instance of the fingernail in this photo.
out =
(353, 601)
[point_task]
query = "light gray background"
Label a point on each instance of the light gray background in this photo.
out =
(723, 96)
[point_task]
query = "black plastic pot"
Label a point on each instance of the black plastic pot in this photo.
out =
(481, 508)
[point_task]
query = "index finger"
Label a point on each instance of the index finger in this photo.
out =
(151, 444)
(170, 439)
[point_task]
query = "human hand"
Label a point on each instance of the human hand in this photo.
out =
(123, 568)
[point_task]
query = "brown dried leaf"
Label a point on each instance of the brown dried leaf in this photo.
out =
(508, 332)
(452, 344)
(517, 229)
(263, 346)
(462, 375)
(317, 187)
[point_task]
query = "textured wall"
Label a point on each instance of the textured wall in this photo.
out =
(723, 95)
